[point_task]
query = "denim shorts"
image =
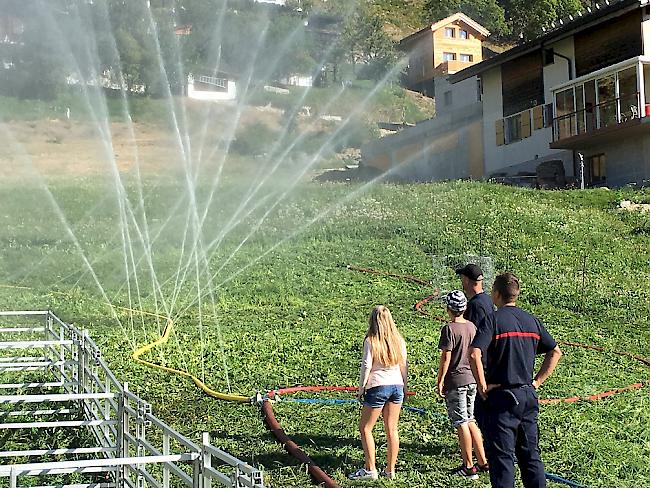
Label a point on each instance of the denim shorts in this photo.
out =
(460, 404)
(378, 396)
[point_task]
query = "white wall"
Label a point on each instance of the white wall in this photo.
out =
(443, 148)
(463, 93)
(627, 159)
(297, 80)
(214, 96)
(558, 72)
(492, 111)
(529, 152)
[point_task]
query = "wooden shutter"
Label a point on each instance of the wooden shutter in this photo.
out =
(499, 126)
(525, 124)
(538, 117)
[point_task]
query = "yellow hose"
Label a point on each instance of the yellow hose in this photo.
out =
(163, 339)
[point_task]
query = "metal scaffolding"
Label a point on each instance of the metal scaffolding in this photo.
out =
(52, 376)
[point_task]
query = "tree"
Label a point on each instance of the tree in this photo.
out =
(527, 18)
(367, 43)
(489, 13)
(35, 67)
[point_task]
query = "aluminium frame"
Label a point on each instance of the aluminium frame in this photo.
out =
(134, 449)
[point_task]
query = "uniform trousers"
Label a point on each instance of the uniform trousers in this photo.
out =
(508, 419)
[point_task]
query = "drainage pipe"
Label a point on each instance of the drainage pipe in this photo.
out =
(318, 475)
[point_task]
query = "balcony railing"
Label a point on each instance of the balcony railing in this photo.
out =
(213, 80)
(606, 114)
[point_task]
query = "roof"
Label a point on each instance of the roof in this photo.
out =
(463, 18)
(458, 16)
(564, 28)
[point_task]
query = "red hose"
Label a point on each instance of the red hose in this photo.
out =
(412, 279)
(295, 389)
(318, 475)
(424, 301)
(605, 394)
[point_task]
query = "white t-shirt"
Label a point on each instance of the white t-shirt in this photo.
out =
(374, 373)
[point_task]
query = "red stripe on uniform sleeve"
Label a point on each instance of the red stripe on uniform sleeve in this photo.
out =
(518, 334)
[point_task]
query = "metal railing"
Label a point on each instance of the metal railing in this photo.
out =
(69, 385)
(605, 114)
(213, 80)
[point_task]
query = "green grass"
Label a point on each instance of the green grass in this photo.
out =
(387, 104)
(297, 316)
(85, 107)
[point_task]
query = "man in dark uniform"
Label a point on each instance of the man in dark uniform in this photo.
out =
(508, 341)
(480, 304)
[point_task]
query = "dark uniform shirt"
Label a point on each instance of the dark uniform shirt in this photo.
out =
(479, 307)
(509, 340)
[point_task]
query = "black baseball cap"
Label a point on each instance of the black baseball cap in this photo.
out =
(472, 271)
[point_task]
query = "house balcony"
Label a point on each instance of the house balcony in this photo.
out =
(452, 66)
(602, 106)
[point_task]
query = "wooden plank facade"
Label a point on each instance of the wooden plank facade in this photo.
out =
(608, 43)
(523, 83)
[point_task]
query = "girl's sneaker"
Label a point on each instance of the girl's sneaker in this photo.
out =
(363, 474)
(464, 472)
(482, 469)
(387, 474)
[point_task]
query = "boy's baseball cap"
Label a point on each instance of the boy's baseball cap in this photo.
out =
(472, 271)
(456, 301)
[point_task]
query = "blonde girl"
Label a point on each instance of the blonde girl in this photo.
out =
(382, 387)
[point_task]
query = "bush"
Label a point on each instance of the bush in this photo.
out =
(356, 133)
(254, 140)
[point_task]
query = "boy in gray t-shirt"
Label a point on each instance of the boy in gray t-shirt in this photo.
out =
(457, 386)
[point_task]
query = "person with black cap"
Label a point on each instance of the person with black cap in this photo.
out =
(507, 343)
(480, 304)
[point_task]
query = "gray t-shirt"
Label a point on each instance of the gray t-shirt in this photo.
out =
(457, 338)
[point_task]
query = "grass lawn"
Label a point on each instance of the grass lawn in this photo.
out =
(287, 312)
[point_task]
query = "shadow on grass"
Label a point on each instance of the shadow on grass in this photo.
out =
(320, 449)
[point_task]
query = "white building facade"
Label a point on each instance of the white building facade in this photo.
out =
(211, 88)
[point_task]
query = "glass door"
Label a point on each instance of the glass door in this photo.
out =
(565, 114)
(590, 105)
(580, 110)
(607, 105)
(627, 94)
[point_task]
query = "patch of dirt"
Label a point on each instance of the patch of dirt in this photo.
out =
(634, 207)
(71, 148)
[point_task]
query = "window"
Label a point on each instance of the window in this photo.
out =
(462, 34)
(479, 89)
(513, 129)
(467, 58)
(449, 56)
(448, 98)
(548, 115)
(450, 32)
